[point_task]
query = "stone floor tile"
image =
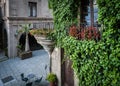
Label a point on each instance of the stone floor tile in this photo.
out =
(16, 66)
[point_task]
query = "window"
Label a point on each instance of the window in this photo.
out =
(32, 9)
(89, 12)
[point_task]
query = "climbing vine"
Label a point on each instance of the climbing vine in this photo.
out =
(95, 63)
(65, 14)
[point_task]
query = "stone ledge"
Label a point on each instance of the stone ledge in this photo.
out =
(29, 18)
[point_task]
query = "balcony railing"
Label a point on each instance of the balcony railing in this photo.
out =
(95, 25)
(42, 25)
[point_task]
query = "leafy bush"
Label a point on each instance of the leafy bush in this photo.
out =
(41, 32)
(88, 33)
(48, 33)
(51, 77)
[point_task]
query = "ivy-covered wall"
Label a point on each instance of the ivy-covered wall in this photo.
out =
(64, 14)
(95, 63)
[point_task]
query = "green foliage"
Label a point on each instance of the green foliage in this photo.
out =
(65, 14)
(95, 63)
(51, 77)
(48, 33)
(25, 28)
(109, 12)
(19, 46)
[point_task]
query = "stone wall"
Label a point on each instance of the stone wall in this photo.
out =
(16, 13)
(20, 8)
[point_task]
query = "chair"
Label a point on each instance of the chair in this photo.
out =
(29, 84)
(38, 80)
(23, 78)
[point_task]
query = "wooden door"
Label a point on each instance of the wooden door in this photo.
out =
(69, 74)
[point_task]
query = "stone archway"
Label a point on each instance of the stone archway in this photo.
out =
(32, 42)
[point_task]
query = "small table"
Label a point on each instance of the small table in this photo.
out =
(31, 78)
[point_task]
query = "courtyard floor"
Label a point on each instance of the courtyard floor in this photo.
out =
(37, 65)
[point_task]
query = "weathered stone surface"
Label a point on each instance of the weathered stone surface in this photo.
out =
(56, 64)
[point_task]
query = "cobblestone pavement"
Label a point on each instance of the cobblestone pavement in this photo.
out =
(34, 65)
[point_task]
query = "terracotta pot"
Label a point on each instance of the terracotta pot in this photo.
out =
(53, 84)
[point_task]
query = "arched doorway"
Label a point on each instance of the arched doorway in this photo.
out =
(32, 42)
(3, 42)
(3, 39)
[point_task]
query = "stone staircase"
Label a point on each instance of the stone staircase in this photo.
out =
(2, 56)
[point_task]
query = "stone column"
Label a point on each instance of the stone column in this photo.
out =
(12, 41)
(7, 8)
(56, 64)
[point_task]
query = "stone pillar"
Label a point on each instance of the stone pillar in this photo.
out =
(7, 8)
(56, 64)
(59, 68)
(12, 41)
(6, 26)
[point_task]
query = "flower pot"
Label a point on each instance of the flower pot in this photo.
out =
(53, 84)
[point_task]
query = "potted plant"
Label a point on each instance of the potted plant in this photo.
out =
(42, 33)
(44, 37)
(52, 78)
(19, 47)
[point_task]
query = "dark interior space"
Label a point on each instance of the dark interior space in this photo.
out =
(32, 42)
(1, 37)
(3, 33)
(1, 30)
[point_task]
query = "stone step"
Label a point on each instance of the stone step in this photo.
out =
(3, 58)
